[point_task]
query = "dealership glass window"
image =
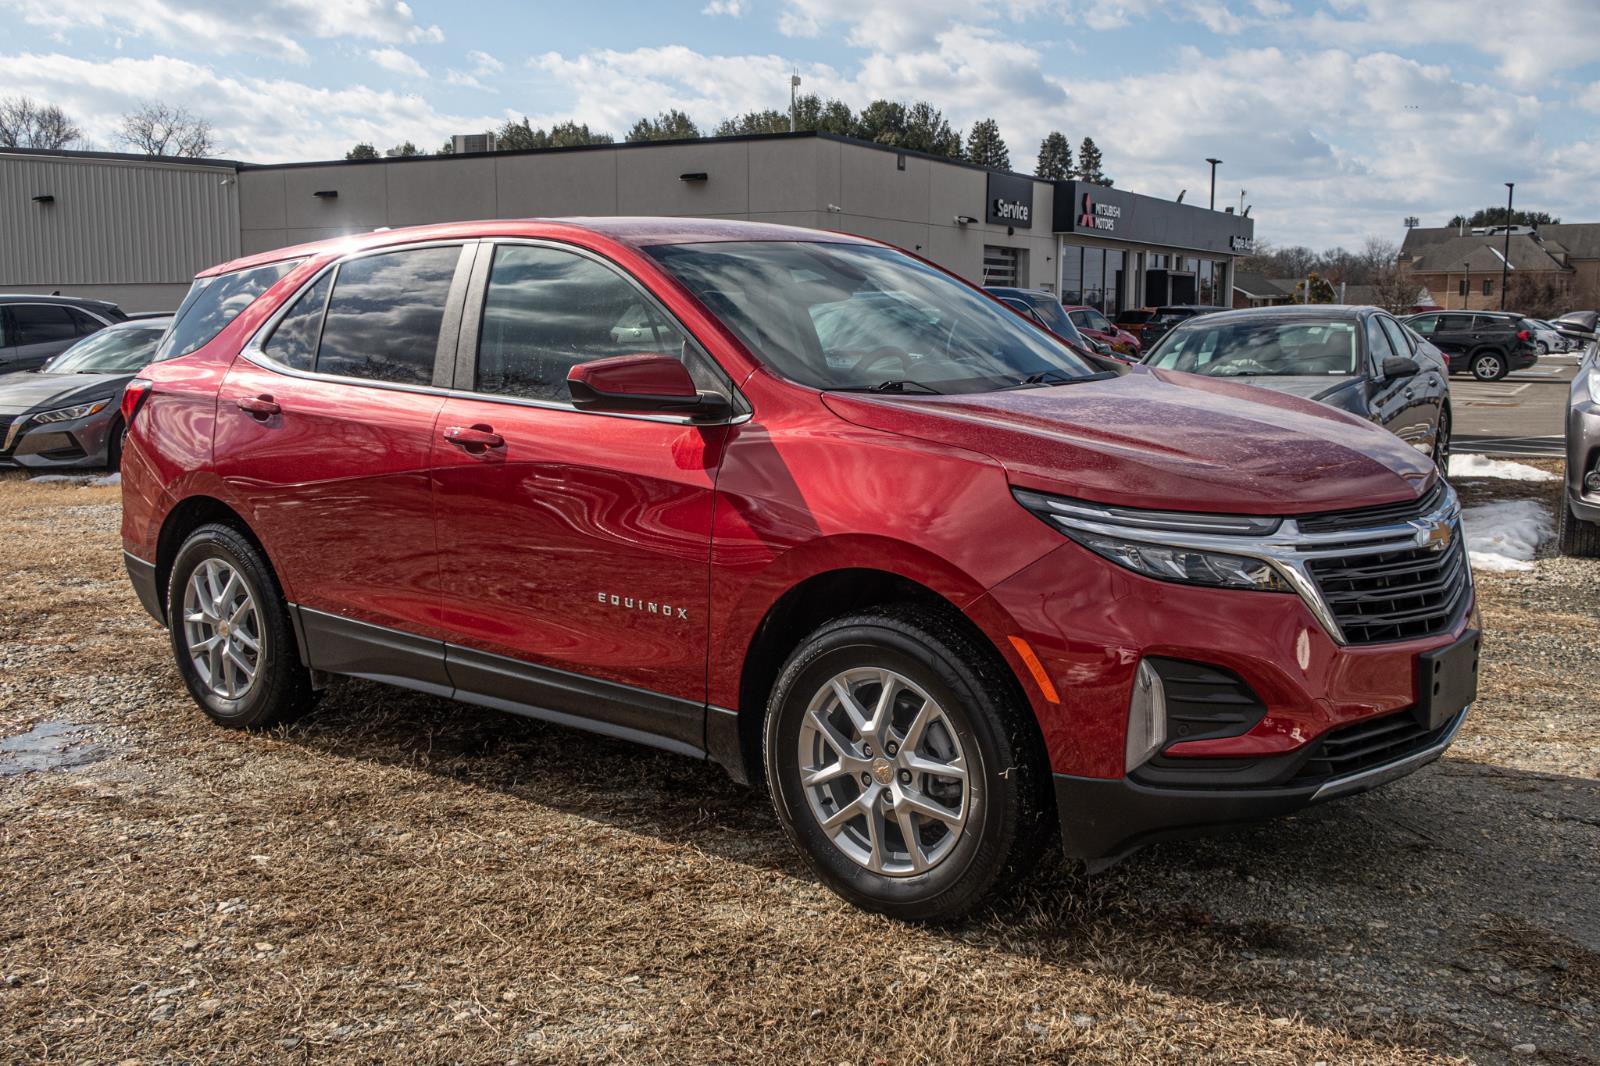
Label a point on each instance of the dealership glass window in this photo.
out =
(1115, 264)
(1208, 291)
(1072, 274)
(383, 318)
(1094, 276)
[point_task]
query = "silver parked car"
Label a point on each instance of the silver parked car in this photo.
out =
(1578, 524)
(68, 413)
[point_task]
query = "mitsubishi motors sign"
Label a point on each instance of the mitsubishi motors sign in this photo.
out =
(1100, 211)
(1100, 216)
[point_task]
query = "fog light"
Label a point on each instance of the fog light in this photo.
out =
(1147, 717)
(1591, 481)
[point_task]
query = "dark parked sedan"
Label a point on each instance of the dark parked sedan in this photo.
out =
(1358, 359)
(66, 415)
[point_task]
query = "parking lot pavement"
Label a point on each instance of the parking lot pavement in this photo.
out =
(397, 878)
(1519, 415)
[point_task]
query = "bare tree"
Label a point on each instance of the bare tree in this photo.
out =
(1393, 289)
(156, 128)
(25, 124)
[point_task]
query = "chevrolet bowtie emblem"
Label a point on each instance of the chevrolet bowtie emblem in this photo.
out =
(1434, 535)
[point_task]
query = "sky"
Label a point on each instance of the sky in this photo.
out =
(1337, 118)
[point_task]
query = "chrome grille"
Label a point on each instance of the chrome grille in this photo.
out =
(1397, 595)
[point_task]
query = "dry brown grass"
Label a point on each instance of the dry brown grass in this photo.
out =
(399, 879)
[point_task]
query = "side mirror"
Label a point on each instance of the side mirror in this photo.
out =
(1399, 366)
(646, 383)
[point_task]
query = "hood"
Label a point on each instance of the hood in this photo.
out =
(1160, 439)
(23, 392)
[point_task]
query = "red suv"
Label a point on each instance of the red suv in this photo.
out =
(804, 505)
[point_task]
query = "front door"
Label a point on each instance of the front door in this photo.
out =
(326, 429)
(1405, 406)
(575, 547)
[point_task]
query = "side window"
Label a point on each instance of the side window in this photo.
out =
(1455, 323)
(1099, 322)
(384, 315)
(1399, 340)
(84, 322)
(546, 310)
(1425, 324)
(294, 342)
(1377, 342)
(215, 302)
(41, 324)
(1080, 319)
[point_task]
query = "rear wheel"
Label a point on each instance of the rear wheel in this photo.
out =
(231, 633)
(902, 768)
(1488, 366)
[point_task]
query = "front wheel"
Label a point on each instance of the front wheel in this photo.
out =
(902, 766)
(1441, 443)
(1574, 536)
(231, 634)
(1489, 366)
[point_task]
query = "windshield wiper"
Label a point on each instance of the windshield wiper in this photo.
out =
(892, 385)
(1046, 378)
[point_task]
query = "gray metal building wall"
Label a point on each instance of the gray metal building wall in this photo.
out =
(131, 231)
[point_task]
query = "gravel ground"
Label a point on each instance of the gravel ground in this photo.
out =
(401, 879)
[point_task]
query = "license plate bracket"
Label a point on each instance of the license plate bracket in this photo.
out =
(1447, 679)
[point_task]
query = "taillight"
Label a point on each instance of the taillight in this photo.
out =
(1522, 334)
(133, 398)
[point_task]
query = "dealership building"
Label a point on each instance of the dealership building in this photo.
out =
(134, 230)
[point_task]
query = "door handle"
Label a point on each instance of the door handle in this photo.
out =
(260, 407)
(474, 438)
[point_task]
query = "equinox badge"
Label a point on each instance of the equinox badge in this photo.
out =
(629, 603)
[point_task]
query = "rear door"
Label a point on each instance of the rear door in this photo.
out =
(37, 332)
(324, 429)
(576, 548)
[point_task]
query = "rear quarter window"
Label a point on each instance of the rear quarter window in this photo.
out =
(215, 302)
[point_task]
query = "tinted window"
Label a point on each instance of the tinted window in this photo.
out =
(294, 341)
(1455, 323)
(1378, 348)
(41, 324)
(84, 322)
(1098, 321)
(1399, 340)
(1424, 324)
(214, 302)
(383, 319)
(547, 310)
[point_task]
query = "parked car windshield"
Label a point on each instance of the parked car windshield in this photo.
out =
(1256, 348)
(214, 302)
(845, 316)
(111, 351)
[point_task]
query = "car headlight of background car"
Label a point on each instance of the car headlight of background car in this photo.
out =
(69, 414)
(1134, 539)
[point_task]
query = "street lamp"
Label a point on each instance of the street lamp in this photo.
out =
(1466, 283)
(1505, 258)
(1213, 163)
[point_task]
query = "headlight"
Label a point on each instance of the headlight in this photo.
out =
(1592, 378)
(67, 414)
(1135, 539)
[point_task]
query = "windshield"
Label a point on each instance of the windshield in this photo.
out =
(1251, 348)
(111, 351)
(214, 302)
(844, 316)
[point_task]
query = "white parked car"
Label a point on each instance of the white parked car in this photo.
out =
(1548, 338)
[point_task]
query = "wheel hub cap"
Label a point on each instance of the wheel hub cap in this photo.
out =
(221, 629)
(884, 771)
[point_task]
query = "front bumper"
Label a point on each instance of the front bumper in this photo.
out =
(1104, 819)
(1583, 456)
(57, 445)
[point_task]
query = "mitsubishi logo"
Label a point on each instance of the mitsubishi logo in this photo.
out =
(1086, 219)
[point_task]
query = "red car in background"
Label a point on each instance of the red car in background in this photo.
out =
(805, 506)
(1092, 323)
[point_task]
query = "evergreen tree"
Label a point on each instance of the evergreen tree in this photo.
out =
(919, 128)
(1089, 163)
(362, 151)
(671, 125)
(575, 135)
(986, 147)
(1496, 216)
(768, 121)
(1321, 291)
(1055, 157)
(516, 136)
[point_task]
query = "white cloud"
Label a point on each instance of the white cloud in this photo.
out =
(483, 63)
(464, 80)
(264, 120)
(273, 27)
(397, 62)
(731, 8)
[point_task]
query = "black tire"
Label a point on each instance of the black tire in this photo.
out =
(114, 438)
(281, 687)
(1008, 804)
(1574, 536)
(1441, 442)
(1488, 365)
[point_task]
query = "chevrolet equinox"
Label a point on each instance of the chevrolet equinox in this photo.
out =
(806, 506)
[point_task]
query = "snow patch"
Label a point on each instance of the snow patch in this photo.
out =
(1504, 535)
(82, 479)
(1468, 465)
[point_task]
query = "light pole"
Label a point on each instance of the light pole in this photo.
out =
(1505, 258)
(1466, 283)
(1213, 163)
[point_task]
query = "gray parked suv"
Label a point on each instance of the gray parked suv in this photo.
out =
(34, 328)
(1578, 524)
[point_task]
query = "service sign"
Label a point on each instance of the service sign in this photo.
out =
(1010, 201)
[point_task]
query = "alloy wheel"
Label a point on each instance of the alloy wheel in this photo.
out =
(221, 629)
(884, 771)
(1486, 367)
(1441, 443)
